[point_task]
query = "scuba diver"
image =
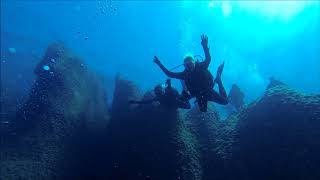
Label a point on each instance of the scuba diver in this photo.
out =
(168, 98)
(198, 79)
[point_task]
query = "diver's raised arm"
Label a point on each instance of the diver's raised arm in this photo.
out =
(204, 43)
(166, 71)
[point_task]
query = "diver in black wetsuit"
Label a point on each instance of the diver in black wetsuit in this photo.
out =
(198, 79)
(168, 98)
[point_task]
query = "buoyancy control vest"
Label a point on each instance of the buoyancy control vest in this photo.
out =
(199, 80)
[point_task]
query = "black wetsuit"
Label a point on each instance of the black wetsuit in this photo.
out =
(170, 100)
(199, 83)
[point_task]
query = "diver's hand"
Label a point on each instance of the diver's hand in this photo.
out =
(204, 40)
(156, 60)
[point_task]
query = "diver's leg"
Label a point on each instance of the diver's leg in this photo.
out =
(203, 106)
(217, 97)
(222, 91)
(218, 80)
(202, 103)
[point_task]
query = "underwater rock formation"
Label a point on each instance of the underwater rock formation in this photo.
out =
(211, 140)
(65, 101)
(63, 131)
(146, 141)
(236, 97)
(124, 91)
(274, 82)
(278, 136)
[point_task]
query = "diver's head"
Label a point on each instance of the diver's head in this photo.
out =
(189, 63)
(158, 90)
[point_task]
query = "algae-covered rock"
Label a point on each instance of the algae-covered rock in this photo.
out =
(278, 136)
(206, 129)
(66, 99)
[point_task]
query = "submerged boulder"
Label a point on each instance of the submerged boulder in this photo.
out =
(278, 136)
(65, 100)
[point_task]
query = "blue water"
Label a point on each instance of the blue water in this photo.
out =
(257, 40)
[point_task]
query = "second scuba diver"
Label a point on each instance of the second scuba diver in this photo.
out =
(168, 98)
